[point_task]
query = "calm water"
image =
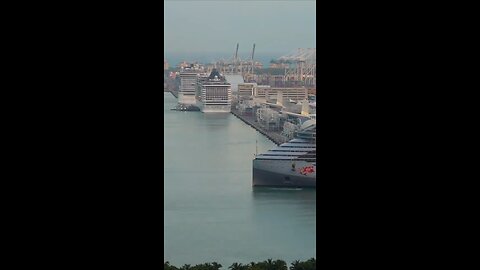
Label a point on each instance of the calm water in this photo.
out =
(211, 211)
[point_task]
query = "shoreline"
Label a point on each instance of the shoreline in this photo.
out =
(275, 137)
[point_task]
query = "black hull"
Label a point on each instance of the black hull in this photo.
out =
(264, 178)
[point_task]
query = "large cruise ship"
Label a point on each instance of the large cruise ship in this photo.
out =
(188, 82)
(215, 94)
(291, 164)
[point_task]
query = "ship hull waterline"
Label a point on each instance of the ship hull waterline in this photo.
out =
(280, 174)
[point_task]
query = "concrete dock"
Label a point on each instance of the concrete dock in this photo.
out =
(275, 137)
(174, 93)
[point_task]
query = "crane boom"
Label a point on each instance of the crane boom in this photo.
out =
(236, 53)
(253, 51)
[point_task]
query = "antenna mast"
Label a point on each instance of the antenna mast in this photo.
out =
(253, 53)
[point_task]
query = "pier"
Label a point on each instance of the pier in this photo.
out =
(174, 93)
(275, 137)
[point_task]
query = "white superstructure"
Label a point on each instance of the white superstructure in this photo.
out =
(215, 94)
(291, 164)
(188, 82)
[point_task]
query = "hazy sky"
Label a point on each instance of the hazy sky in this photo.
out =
(196, 26)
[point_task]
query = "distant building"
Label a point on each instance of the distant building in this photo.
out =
(258, 65)
(276, 80)
(279, 65)
(184, 64)
(312, 91)
(260, 91)
(165, 64)
(246, 89)
(271, 93)
(249, 78)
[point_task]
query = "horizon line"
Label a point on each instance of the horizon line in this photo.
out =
(239, 0)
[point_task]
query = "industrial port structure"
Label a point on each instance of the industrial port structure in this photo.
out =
(274, 101)
(237, 66)
(302, 66)
(299, 68)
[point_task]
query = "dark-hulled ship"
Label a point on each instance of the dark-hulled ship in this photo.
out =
(292, 164)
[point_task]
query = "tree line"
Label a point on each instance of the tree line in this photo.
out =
(265, 265)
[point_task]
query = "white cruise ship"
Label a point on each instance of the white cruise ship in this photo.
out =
(291, 164)
(215, 94)
(188, 82)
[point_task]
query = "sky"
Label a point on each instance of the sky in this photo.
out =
(206, 26)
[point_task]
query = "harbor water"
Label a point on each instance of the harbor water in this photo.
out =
(211, 211)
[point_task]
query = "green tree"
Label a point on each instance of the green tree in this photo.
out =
(265, 265)
(186, 267)
(280, 265)
(167, 266)
(238, 266)
(295, 265)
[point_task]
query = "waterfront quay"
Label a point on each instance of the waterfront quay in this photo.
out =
(174, 93)
(275, 137)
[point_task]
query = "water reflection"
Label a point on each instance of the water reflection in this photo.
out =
(297, 197)
(306, 194)
(209, 197)
(215, 116)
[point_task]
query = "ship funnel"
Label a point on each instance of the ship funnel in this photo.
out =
(214, 74)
